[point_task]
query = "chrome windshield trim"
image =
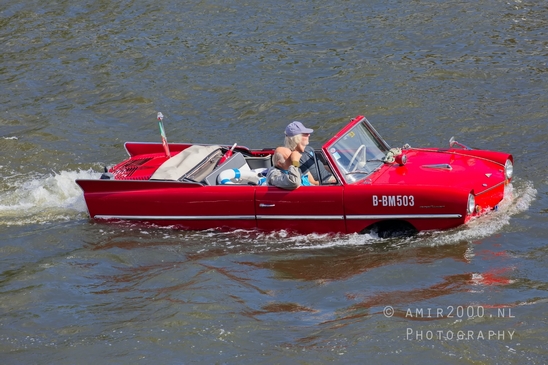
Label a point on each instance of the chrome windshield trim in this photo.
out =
(369, 138)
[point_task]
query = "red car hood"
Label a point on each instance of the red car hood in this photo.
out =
(475, 170)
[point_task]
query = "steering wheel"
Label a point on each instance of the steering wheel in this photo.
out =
(355, 158)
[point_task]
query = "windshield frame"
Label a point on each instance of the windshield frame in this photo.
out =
(356, 142)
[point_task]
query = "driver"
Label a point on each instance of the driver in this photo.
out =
(285, 174)
(297, 139)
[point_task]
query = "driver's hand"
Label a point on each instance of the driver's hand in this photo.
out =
(295, 158)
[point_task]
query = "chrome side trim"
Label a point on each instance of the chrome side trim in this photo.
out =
(175, 217)
(300, 217)
(405, 216)
(279, 217)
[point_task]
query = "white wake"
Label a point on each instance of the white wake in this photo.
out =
(26, 199)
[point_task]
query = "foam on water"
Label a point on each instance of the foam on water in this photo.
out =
(518, 199)
(26, 199)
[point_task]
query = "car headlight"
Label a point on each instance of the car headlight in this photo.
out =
(508, 169)
(471, 205)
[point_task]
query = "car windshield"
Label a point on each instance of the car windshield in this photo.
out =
(358, 152)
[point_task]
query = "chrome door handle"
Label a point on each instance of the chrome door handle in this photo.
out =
(267, 205)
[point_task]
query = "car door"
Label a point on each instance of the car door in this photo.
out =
(308, 209)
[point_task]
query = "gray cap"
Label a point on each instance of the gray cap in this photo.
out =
(296, 128)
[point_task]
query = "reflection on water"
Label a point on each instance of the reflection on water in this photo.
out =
(340, 265)
(180, 276)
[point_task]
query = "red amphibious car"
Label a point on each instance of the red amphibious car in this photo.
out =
(372, 188)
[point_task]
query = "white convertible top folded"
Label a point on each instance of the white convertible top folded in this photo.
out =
(183, 162)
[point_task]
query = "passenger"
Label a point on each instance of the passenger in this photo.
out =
(285, 174)
(297, 139)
